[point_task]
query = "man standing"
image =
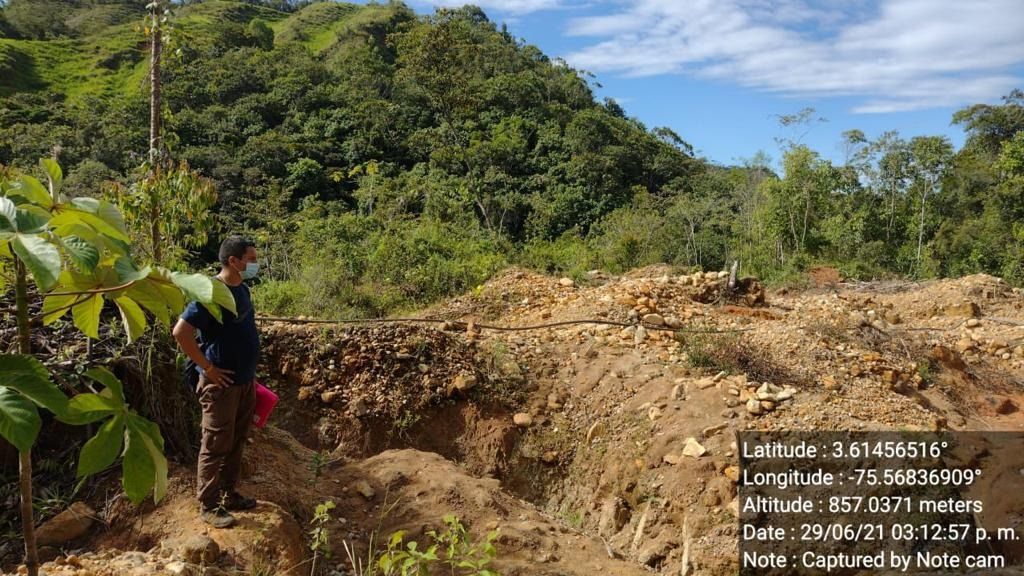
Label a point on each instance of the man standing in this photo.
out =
(227, 368)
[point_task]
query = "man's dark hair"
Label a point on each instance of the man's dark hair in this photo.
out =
(234, 246)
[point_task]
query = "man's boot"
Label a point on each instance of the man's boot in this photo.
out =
(235, 501)
(217, 516)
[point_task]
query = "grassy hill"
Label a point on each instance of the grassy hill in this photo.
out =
(105, 49)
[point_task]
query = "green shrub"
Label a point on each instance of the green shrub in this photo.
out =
(280, 297)
(569, 255)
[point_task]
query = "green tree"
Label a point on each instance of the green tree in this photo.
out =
(988, 126)
(77, 252)
(168, 212)
(261, 33)
(930, 159)
(892, 176)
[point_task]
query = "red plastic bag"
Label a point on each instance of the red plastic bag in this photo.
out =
(265, 402)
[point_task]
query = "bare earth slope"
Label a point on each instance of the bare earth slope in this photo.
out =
(596, 448)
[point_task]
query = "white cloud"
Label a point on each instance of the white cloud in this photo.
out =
(506, 6)
(895, 55)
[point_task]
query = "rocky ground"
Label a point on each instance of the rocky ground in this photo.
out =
(589, 447)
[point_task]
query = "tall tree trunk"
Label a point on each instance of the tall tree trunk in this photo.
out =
(920, 228)
(807, 216)
(155, 143)
(25, 456)
(27, 523)
(693, 244)
(154, 85)
(892, 212)
(154, 221)
(792, 229)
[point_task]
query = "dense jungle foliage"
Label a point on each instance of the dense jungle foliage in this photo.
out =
(383, 159)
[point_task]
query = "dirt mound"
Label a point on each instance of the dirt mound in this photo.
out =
(380, 371)
(422, 487)
(395, 490)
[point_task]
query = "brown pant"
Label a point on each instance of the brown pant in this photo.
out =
(227, 416)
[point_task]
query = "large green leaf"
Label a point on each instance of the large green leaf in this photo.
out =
(87, 315)
(40, 257)
(103, 210)
(196, 286)
(81, 252)
(127, 272)
(173, 296)
(8, 216)
(86, 204)
(29, 377)
(138, 470)
(19, 419)
(55, 307)
(107, 378)
(76, 281)
(32, 219)
(144, 466)
(102, 449)
(199, 288)
(77, 229)
(147, 295)
(117, 246)
(109, 213)
(32, 191)
(222, 296)
(53, 171)
(88, 408)
(104, 276)
(132, 316)
(67, 216)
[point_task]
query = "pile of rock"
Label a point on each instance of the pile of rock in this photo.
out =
(973, 342)
(763, 398)
(381, 370)
(132, 563)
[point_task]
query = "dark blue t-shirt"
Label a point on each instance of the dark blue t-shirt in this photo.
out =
(233, 344)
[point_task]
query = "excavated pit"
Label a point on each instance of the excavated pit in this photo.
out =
(402, 402)
(589, 460)
(401, 424)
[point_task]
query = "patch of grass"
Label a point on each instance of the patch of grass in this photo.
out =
(316, 25)
(573, 518)
(213, 12)
(317, 464)
(404, 423)
(419, 346)
(727, 352)
(98, 18)
(926, 369)
(720, 352)
(51, 500)
(105, 64)
(833, 332)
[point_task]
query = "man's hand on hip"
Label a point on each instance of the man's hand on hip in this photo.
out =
(218, 376)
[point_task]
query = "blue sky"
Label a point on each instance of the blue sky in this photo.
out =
(718, 72)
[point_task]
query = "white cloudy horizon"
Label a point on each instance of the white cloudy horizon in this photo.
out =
(888, 55)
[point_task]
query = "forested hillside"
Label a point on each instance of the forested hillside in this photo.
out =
(384, 159)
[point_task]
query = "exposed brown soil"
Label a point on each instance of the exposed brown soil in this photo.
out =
(570, 440)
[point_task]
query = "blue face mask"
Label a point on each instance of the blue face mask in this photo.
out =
(251, 270)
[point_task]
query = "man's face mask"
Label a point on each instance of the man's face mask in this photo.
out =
(251, 270)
